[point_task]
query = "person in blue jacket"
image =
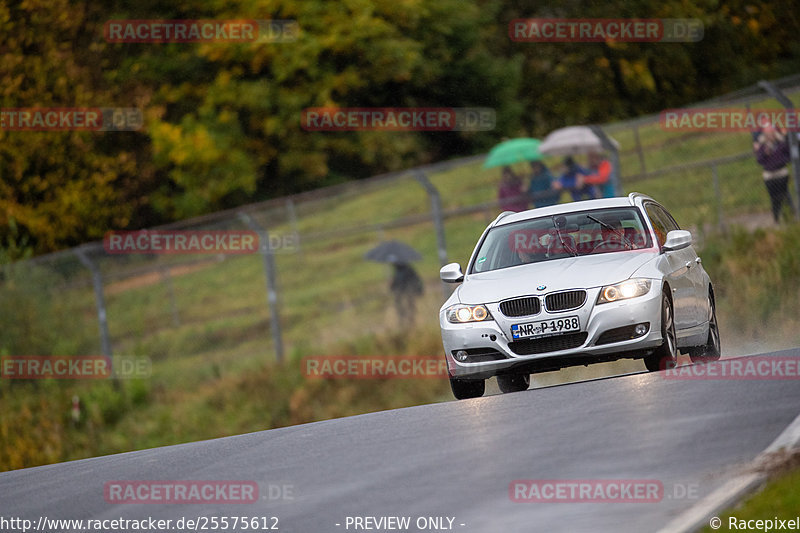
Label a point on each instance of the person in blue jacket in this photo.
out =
(542, 189)
(572, 180)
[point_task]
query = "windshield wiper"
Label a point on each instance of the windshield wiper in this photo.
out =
(620, 234)
(561, 239)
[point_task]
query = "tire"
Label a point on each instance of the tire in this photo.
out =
(712, 349)
(513, 382)
(464, 389)
(666, 355)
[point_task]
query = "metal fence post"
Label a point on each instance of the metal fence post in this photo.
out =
(100, 301)
(794, 150)
(718, 194)
(99, 298)
(438, 220)
(272, 288)
(612, 149)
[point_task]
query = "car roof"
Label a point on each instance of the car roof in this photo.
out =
(509, 217)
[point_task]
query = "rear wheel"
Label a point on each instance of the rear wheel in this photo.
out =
(514, 382)
(464, 389)
(666, 355)
(712, 349)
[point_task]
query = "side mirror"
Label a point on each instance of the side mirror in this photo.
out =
(677, 240)
(451, 273)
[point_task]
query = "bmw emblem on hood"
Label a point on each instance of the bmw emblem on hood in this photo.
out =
(541, 287)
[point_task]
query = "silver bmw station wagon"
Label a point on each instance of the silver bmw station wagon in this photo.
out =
(574, 284)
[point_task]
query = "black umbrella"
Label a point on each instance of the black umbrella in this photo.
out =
(393, 252)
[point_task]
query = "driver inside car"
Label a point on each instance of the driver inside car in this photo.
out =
(612, 236)
(562, 243)
(532, 252)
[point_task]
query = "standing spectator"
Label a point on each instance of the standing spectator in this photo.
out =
(510, 193)
(407, 287)
(541, 189)
(76, 410)
(771, 147)
(572, 180)
(600, 176)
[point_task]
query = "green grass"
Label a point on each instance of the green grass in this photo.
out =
(214, 372)
(780, 499)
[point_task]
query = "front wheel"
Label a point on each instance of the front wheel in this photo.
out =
(514, 382)
(464, 389)
(712, 349)
(666, 355)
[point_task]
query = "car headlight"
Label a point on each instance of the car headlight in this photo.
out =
(460, 313)
(622, 291)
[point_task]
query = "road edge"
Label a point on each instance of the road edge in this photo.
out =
(732, 491)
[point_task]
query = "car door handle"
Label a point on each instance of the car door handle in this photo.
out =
(688, 264)
(698, 260)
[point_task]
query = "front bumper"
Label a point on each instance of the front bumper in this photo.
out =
(489, 341)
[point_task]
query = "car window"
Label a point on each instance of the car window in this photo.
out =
(672, 224)
(660, 225)
(666, 218)
(556, 237)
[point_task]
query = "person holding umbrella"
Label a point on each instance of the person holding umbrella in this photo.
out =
(771, 146)
(572, 180)
(600, 176)
(578, 140)
(542, 189)
(406, 285)
(510, 192)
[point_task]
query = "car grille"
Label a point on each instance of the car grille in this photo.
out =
(548, 344)
(563, 301)
(521, 306)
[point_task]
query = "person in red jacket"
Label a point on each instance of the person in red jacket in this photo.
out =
(510, 194)
(600, 176)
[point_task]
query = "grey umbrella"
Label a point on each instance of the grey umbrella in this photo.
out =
(393, 252)
(572, 140)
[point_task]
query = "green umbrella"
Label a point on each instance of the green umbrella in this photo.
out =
(513, 151)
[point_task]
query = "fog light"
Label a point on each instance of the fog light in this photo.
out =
(640, 330)
(461, 356)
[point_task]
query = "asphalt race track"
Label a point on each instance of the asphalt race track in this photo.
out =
(455, 459)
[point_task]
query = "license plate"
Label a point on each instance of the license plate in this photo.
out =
(545, 328)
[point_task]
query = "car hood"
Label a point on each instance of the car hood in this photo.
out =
(569, 273)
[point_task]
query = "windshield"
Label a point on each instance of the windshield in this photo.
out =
(598, 231)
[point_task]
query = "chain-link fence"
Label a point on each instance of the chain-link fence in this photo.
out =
(309, 286)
